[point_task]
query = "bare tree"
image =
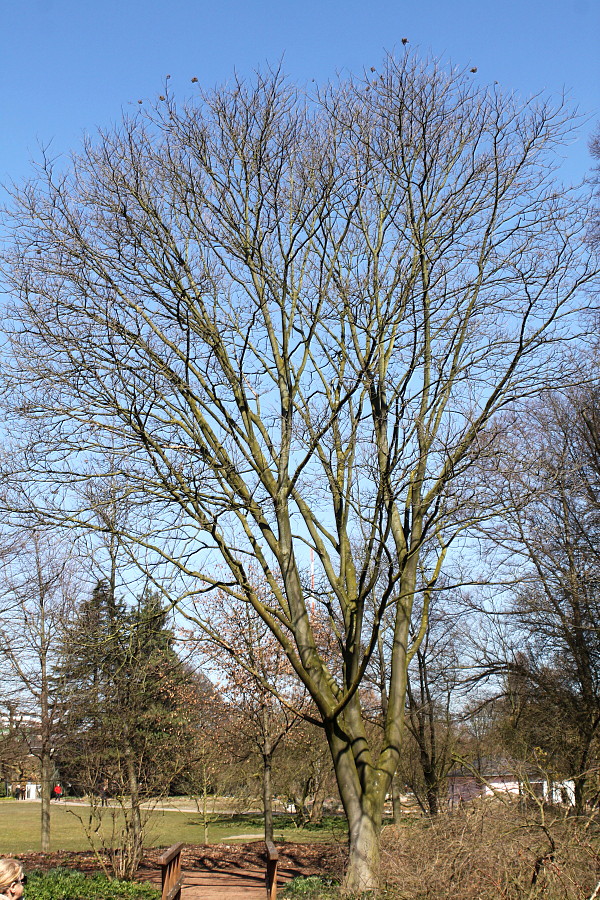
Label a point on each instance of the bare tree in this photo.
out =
(305, 775)
(294, 320)
(34, 611)
(264, 698)
(549, 532)
(433, 687)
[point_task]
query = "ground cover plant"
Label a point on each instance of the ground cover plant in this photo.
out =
(65, 884)
(311, 887)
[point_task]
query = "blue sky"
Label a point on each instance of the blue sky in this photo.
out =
(68, 66)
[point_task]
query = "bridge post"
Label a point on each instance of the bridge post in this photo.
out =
(271, 878)
(172, 879)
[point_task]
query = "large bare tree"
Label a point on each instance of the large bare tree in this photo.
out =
(293, 320)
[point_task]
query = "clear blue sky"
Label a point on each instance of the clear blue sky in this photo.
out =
(70, 65)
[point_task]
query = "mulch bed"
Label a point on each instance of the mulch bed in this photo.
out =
(298, 859)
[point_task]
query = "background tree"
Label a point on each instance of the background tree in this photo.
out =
(550, 532)
(206, 769)
(432, 698)
(265, 701)
(19, 734)
(295, 319)
(130, 735)
(433, 694)
(304, 773)
(34, 609)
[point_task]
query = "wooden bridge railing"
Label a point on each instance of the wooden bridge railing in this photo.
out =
(271, 878)
(172, 879)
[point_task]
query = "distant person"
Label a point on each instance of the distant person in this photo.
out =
(12, 879)
(22, 789)
(57, 791)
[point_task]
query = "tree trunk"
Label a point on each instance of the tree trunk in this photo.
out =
(433, 800)
(135, 849)
(267, 797)
(362, 874)
(581, 779)
(204, 802)
(46, 764)
(432, 789)
(316, 810)
(396, 804)
(46, 771)
(266, 749)
(580, 791)
(362, 789)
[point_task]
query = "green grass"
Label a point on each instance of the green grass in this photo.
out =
(20, 828)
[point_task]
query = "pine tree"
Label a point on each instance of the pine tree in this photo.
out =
(129, 730)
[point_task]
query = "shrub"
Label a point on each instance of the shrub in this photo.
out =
(66, 884)
(490, 851)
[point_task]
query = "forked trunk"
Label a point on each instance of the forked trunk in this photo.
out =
(362, 790)
(362, 875)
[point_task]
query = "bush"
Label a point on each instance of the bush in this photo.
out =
(66, 884)
(490, 851)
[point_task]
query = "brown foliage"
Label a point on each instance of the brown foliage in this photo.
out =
(491, 851)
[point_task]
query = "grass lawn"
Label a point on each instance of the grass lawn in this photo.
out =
(20, 827)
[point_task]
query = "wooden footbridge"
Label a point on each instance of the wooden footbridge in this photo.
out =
(226, 883)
